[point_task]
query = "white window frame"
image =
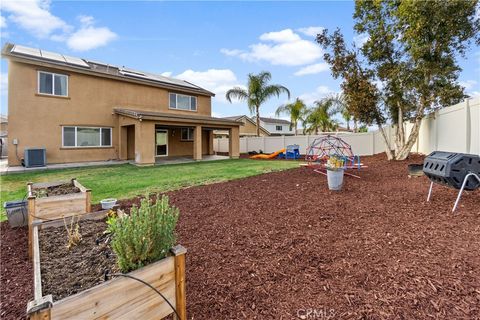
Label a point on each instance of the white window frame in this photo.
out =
(53, 84)
(189, 139)
(76, 146)
(176, 102)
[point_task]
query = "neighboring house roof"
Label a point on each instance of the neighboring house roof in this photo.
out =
(247, 118)
(153, 115)
(38, 56)
(3, 119)
(274, 120)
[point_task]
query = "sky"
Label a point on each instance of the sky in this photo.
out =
(212, 44)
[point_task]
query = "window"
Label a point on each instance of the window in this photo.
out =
(278, 128)
(186, 134)
(52, 83)
(183, 102)
(87, 137)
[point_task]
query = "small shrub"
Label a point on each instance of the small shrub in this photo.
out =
(73, 232)
(145, 235)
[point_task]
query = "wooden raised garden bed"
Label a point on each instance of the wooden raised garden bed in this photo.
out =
(55, 200)
(118, 298)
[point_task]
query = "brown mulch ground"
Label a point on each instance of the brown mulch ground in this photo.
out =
(16, 275)
(280, 245)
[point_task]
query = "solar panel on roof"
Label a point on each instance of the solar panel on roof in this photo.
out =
(76, 61)
(28, 51)
(52, 56)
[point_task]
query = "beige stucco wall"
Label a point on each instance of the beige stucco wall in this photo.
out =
(36, 120)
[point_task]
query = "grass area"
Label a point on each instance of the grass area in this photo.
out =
(126, 181)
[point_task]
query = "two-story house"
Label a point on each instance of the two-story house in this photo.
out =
(82, 110)
(276, 127)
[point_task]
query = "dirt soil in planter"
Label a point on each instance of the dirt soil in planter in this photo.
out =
(69, 271)
(62, 189)
(16, 274)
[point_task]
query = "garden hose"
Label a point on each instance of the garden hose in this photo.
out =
(108, 274)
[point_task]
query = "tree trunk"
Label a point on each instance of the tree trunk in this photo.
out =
(257, 109)
(412, 138)
(348, 125)
(295, 127)
(355, 125)
(388, 149)
(399, 131)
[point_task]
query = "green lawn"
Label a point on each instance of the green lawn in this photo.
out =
(125, 181)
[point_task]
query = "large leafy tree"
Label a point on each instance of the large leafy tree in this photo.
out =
(359, 91)
(258, 91)
(296, 110)
(411, 50)
(319, 118)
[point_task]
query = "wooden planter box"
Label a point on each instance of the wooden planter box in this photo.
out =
(119, 298)
(55, 207)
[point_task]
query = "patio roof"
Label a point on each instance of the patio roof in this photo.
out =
(171, 117)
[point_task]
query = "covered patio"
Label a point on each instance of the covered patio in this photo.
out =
(149, 138)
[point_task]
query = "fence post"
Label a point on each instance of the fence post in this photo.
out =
(180, 295)
(468, 127)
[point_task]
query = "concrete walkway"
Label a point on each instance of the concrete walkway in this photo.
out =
(177, 160)
(5, 169)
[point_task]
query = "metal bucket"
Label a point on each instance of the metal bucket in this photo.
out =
(335, 179)
(17, 213)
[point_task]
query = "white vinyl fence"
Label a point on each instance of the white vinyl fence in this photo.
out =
(455, 129)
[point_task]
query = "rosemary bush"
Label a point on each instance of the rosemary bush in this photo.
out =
(146, 235)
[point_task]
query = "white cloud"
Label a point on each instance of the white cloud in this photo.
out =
(88, 36)
(35, 17)
(311, 31)
(219, 81)
(360, 39)
(286, 35)
(313, 69)
(469, 84)
(232, 53)
(279, 48)
(167, 73)
(319, 93)
(3, 22)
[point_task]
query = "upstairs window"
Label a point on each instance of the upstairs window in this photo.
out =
(183, 102)
(84, 137)
(52, 84)
(278, 128)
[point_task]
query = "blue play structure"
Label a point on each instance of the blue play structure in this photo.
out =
(291, 152)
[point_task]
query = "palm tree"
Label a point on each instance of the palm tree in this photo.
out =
(258, 91)
(340, 104)
(319, 117)
(296, 110)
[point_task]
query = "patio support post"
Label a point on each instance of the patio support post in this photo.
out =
(144, 143)
(197, 143)
(210, 142)
(234, 143)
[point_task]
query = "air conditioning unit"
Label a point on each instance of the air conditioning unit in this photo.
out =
(35, 157)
